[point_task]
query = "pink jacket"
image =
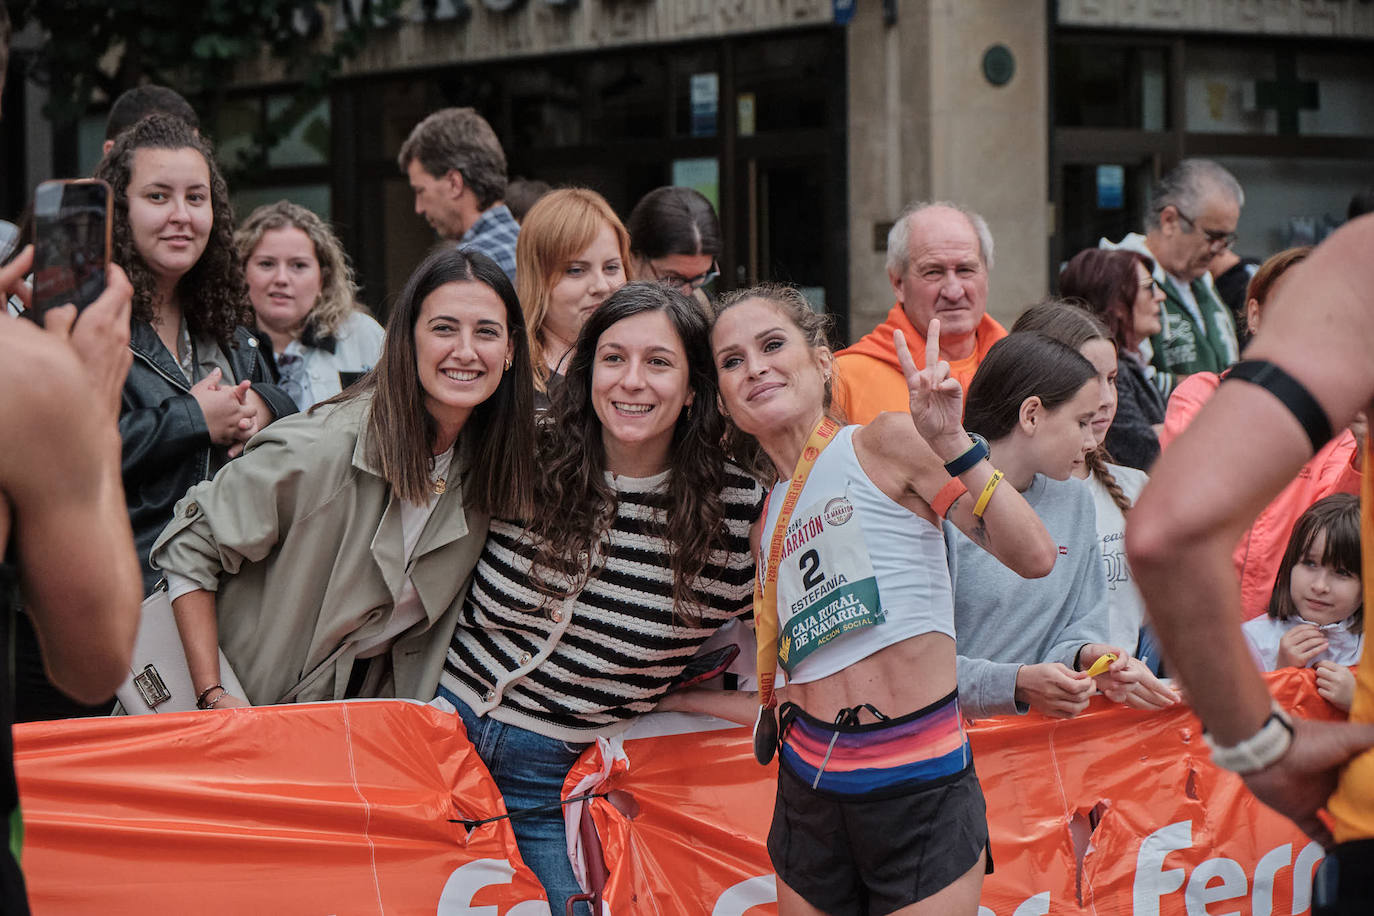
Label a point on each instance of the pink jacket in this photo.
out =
(1257, 556)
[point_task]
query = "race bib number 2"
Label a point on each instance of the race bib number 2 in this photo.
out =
(826, 585)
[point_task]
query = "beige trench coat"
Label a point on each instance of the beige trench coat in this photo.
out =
(301, 538)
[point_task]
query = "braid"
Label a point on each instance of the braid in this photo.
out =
(1097, 464)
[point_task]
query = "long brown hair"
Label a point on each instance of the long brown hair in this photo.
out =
(579, 506)
(213, 293)
(500, 431)
(1072, 325)
(1020, 366)
(1267, 275)
(1106, 282)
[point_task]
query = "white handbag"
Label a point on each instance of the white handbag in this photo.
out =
(159, 678)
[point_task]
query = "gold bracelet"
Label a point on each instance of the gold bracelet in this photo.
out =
(986, 495)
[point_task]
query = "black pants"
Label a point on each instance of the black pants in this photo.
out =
(1344, 883)
(37, 699)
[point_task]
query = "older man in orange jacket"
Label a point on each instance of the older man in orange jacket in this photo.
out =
(938, 258)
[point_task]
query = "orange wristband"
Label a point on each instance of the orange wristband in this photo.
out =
(947, 495)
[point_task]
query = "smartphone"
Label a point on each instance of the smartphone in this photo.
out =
(704, 667)
(71, 250)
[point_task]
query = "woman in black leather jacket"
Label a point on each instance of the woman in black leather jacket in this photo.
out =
(198, 388)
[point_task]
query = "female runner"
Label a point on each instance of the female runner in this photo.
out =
(853, 574)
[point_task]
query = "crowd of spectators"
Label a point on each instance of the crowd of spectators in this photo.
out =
(531, 494)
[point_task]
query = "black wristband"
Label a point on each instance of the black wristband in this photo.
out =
(1291, 394)
(971, 456)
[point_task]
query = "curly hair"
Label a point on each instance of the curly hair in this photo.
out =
(559, 227)
(569, 537)
(213, 293)
(338, 291)
(815, 329)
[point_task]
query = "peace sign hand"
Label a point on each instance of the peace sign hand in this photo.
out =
(937, 399)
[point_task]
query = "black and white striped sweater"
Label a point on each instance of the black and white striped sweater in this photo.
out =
(584, 666)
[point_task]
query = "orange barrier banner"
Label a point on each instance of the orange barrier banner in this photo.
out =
(1113, 812)
(324, 808)
(347, 808)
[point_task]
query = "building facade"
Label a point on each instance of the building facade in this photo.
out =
(811, 123)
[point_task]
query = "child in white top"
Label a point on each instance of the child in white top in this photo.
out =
(1316, 613)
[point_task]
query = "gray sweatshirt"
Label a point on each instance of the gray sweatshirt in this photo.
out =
(1003, 621)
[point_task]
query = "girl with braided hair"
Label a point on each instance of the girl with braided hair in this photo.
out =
(1048, 644)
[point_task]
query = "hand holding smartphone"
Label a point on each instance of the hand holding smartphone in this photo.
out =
(71, 244)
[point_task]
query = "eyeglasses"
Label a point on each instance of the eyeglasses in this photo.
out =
(1215, 238)
(696, 282)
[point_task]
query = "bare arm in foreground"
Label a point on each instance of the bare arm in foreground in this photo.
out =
(1209, 485)
(61, 497)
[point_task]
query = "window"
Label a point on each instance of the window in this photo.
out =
(1110, 85)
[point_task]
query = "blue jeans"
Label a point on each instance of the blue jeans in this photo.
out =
(529, 770)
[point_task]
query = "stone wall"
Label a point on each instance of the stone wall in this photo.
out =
(925, 123)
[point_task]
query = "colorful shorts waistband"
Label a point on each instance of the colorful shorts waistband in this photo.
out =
(924, 747)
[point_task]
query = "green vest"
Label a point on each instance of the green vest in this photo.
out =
(1184, 346)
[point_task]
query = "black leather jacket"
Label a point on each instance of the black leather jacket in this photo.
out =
(167, 446)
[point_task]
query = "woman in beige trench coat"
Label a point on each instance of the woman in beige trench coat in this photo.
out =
(331, 559)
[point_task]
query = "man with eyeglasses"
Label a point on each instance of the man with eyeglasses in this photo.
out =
(1192, 218)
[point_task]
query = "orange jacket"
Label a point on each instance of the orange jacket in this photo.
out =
(868, 378)
(1259, 552)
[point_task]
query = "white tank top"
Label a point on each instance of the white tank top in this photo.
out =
(859, 571)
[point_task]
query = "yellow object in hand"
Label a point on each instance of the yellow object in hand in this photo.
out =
(1102, 664)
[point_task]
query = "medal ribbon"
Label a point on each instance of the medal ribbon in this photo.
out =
(766, 593)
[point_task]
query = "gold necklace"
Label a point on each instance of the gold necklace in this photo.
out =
(440, 485)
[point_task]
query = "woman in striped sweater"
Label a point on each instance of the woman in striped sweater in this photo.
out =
(579, 619)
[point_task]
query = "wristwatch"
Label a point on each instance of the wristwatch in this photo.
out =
(971, 456)
(1260, 750)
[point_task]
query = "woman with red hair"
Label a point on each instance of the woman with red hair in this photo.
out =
(1119, 288)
